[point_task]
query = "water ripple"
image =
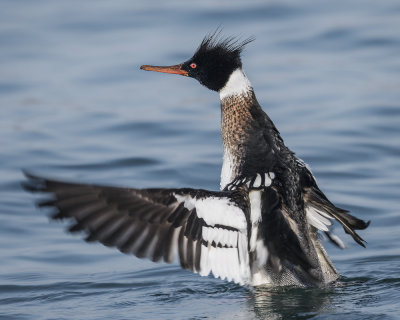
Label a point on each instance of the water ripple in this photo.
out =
(74, 104)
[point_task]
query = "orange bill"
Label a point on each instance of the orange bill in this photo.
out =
(170, 69)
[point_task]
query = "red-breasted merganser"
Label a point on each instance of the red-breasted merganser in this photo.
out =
(260, 229)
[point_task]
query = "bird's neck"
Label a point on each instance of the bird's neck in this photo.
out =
(237, 84)
(238, 104)
(238, 101)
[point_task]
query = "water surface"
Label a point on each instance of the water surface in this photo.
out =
(74, 105)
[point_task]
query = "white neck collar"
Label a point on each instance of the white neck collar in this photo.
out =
(236, 84)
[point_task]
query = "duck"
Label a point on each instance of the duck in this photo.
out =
(262, 228)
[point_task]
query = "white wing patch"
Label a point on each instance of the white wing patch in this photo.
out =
(257, 181)
(224, 252)
(255, 216)
(231, 264)
(220, 236)
(215, 210)
(259, 275)
(255, 205)
(318, 218)
(222, 262)
(268, 177)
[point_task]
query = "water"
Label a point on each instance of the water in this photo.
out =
(74, 105)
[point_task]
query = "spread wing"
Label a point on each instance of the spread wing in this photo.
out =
(207, 231)
(320, 211)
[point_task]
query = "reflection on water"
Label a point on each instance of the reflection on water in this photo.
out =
(285, 303)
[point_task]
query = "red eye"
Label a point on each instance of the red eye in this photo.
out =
(193, 65)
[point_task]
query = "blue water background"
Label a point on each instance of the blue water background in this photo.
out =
(74, 105)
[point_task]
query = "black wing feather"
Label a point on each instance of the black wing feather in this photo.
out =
(349, 223)
(280, 239)
(147, 223)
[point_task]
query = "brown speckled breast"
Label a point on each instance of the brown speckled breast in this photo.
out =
(244, 125)
(236, 125)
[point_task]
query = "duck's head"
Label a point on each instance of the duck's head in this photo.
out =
(213, 62)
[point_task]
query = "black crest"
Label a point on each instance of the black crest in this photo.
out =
(228, 48)
(215, 59)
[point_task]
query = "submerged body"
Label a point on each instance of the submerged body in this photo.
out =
(260, 229)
